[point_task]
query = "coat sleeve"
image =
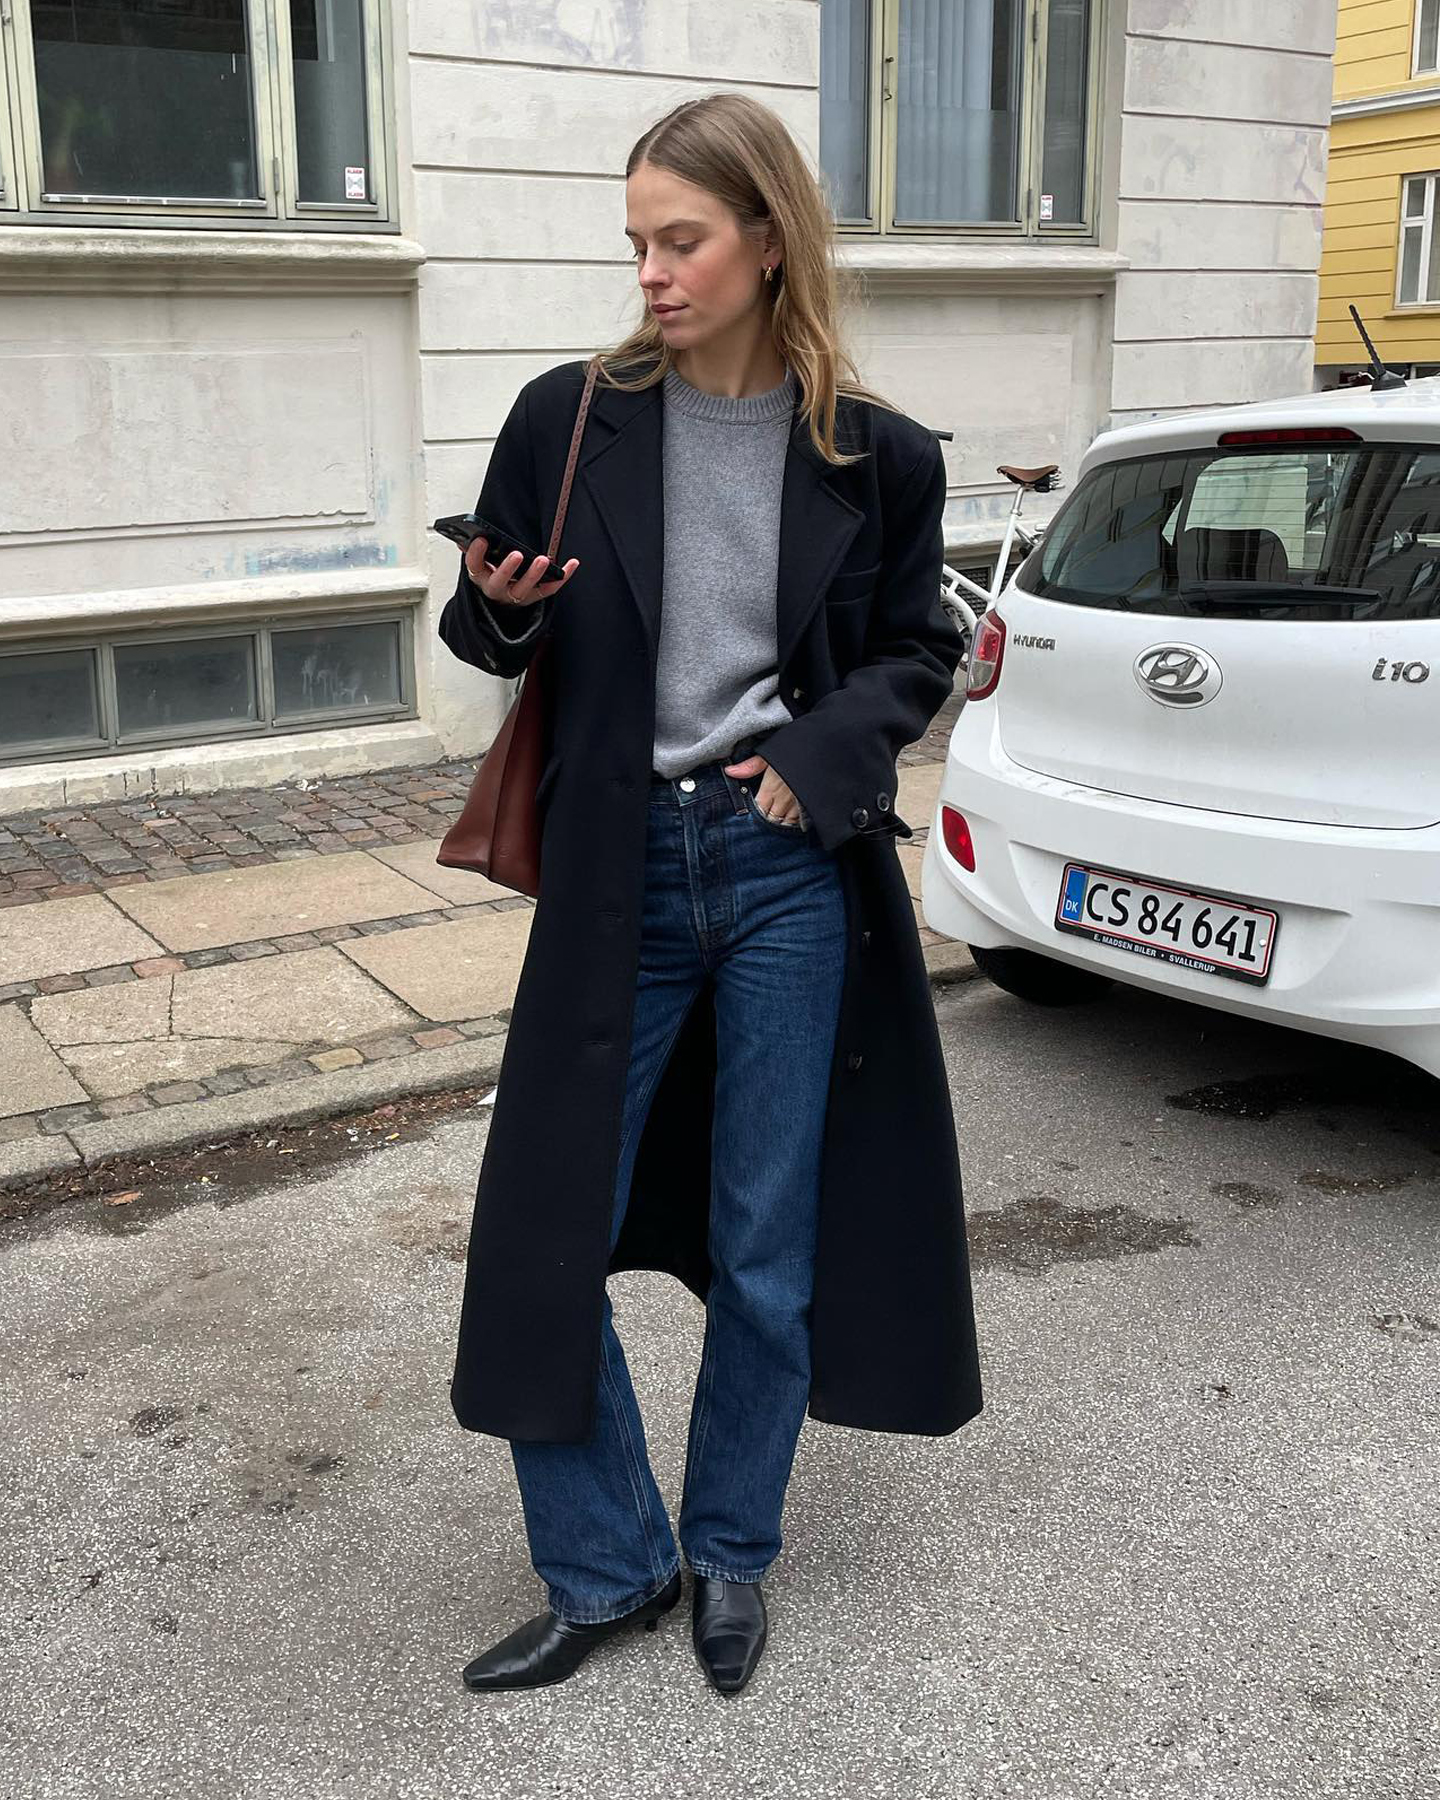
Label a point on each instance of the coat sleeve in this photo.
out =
(839, 758)
(502, 639)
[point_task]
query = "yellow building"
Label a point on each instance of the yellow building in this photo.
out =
(1382, 235)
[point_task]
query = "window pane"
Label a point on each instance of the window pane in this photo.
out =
(336, 666)
(1067, 91)
(145, 97)
(327, 47)
(845, 105)
(1429, 38)
(1415, 199)
(1410, 264)
(48, 698)
(171, 687)
(959, 110)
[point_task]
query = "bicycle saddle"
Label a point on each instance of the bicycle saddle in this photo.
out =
(1028, 478)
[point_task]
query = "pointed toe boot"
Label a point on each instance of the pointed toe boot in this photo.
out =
(728, 1626)
(548, 1649)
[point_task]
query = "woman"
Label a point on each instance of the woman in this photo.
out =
(722, 1059)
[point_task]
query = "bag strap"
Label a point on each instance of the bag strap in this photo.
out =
(575, 438)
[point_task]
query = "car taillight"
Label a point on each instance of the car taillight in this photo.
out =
(986, 655)
(955, 829)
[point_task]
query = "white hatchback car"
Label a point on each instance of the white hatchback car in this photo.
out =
(1201, 746)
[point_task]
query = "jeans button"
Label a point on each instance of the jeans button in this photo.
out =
(687, 784)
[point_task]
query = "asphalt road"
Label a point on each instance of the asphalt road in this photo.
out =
(1190, 1549)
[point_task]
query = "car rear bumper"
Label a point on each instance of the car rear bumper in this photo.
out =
(1357, 954)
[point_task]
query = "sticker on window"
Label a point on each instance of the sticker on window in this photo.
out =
(355, 184)
(1047, 208)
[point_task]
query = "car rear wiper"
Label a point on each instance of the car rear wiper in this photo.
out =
(1276, 593)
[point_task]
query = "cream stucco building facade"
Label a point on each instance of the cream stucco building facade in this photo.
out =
(224, 422)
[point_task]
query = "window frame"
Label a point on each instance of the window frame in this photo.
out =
(883, 120)
(273, 124)
(1425, 221)
(270, 724)
(1417, 68)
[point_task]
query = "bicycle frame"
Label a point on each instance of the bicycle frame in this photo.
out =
(954, 587)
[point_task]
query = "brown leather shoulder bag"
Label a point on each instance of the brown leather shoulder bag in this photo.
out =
(498, 831)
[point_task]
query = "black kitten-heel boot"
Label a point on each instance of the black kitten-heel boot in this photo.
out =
(729, 1628)
(548, 1649)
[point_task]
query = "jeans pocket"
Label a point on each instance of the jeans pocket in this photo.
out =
(796, 831)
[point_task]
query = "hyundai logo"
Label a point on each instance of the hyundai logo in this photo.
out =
(1177, 675)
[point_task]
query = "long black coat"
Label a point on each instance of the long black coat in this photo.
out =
(866, 658)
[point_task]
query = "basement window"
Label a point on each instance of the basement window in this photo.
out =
(208, 684)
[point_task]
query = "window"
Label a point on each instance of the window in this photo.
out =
(1427, 37)
(1320, 534)
(1419, 281)
(958, 115)
(220, 682)
(212, 111)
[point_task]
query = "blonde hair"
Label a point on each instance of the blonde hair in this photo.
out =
(741, 152)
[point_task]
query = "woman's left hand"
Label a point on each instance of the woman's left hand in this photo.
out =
(773, 798)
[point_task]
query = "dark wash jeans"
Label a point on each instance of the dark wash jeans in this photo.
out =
(757, 908)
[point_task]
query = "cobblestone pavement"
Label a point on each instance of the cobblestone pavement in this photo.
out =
(58, 854)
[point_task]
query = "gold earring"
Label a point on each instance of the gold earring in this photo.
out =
(769, 271)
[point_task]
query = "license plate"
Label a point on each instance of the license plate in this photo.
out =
(1168, 924)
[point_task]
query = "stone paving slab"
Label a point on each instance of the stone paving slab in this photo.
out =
(32, 1077)
(457, 887)
(203, 912)
(65, 937)
(108, 1015)
(462, 970)
(912, 856)
(919, 794)
(314, 996)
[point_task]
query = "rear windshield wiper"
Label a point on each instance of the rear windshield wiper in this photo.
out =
(1276, 593)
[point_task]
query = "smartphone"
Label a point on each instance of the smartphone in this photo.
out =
(462, 528)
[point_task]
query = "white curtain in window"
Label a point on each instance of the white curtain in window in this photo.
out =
(845, 105)
(958, 102)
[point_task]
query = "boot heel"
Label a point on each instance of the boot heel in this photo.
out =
(652, 1624)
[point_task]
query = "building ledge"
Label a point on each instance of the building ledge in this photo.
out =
(1397, 100)
(208, 768)
(45, 259)
(208, 602)
(915, 267)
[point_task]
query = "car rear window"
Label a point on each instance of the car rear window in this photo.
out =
(1346, 532)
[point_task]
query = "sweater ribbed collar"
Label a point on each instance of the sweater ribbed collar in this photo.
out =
(753, 409)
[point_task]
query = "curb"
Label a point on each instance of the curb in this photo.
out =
(471, 1063)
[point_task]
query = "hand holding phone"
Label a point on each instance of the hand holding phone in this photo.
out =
(494, 561)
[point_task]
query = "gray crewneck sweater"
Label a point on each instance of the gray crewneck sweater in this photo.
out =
(716, 677)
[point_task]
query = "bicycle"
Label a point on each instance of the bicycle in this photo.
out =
(955, 586)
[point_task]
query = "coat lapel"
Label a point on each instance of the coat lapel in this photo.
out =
(623, 472)
(816, 527)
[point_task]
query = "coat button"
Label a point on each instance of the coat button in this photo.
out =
(853, 1061)
(860, 818)
(883, 802)
(687, 784)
